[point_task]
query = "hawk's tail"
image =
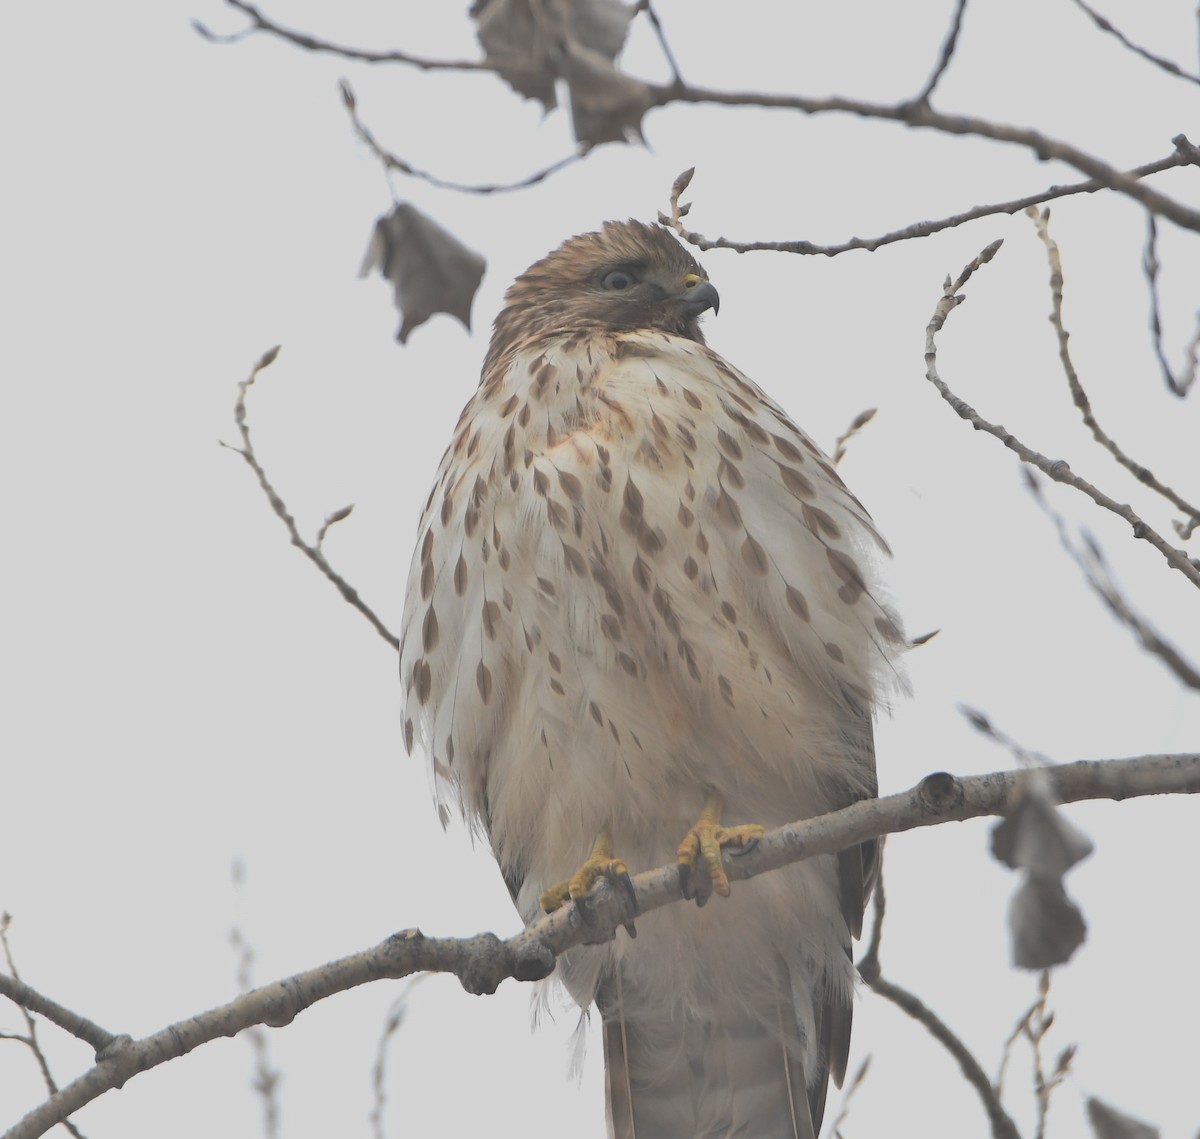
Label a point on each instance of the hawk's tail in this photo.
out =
(720, 1078)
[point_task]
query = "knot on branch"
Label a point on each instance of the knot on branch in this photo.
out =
(939, 792)
(486, 961)
(534, 961)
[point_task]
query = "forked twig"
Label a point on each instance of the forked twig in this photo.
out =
(1041, 221)
(312, 551)
(1058, 470)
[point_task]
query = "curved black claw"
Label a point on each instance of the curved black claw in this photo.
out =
(625, 882)
(702, 891)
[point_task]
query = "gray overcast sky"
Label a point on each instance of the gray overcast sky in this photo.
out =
(182, 689)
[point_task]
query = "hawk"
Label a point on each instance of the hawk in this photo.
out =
(642, 623)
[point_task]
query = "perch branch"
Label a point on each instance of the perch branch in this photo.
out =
(482, 962)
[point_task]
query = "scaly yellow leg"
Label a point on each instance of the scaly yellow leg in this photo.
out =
(704, 842)
(600, 864)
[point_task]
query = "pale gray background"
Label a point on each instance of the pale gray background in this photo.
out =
(182, 689)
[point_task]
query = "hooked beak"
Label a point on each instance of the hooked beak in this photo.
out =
(700, 297)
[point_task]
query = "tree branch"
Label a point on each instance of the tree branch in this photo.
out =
(260, 23)
(915, 114)
(1159, 61)
(1096, 573)
(310, 551)
(1187, 376)
(921, 229)
(391, 161)
(1058, 469)
(1002, 1124)
(1041, 221)
(482, 962)
(946, 54)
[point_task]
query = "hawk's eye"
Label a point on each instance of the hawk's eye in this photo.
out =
(617, 280)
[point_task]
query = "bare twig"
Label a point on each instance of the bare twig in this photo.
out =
(856, 425)
(946, 54)
(1179, 386)
(30, 1039)
(1092, 563)
(984, 726)
(1058, 470)
(1006, 1055)
(266, 1078)
(869, 967)
(391, 1025)
(924, 228)
(668, 55)
(394, 162)
(921, 115)
(856, 1082)
(1033, 1026)
(482, 962)
(914, 113)
(1106, 25)
(312, 552)
(260, 23)
(32, 1001)
(1041, 221)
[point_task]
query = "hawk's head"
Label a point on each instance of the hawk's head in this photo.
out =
(628, 275)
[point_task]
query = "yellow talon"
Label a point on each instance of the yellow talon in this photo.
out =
(705, 841)
(600, 864)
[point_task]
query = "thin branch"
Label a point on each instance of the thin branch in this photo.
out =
(947, 53)
(266, 1078)
(1096, 573)
(392, 161)
(482, 962)
(926, 228)
(1041, 221)
(393, 1022)
(30, 1039)
(260, 23)
(856, 1082)
(668, 54)
(1178, 386)
(1006, 1055)
(312, 552)
(913, 113)
(71, 1022)
(842, 442)
(922, 116)
(984, 726)
(1106, 25)
(870, 970)
(1058, 470)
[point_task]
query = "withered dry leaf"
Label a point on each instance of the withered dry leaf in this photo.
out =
(515, 38)
(606, 105)
(1108, 1123)
(1036, 836)
(535, 43)
(1046, 925)
(430, 269)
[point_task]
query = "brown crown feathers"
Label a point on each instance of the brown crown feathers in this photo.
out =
(626, 275)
